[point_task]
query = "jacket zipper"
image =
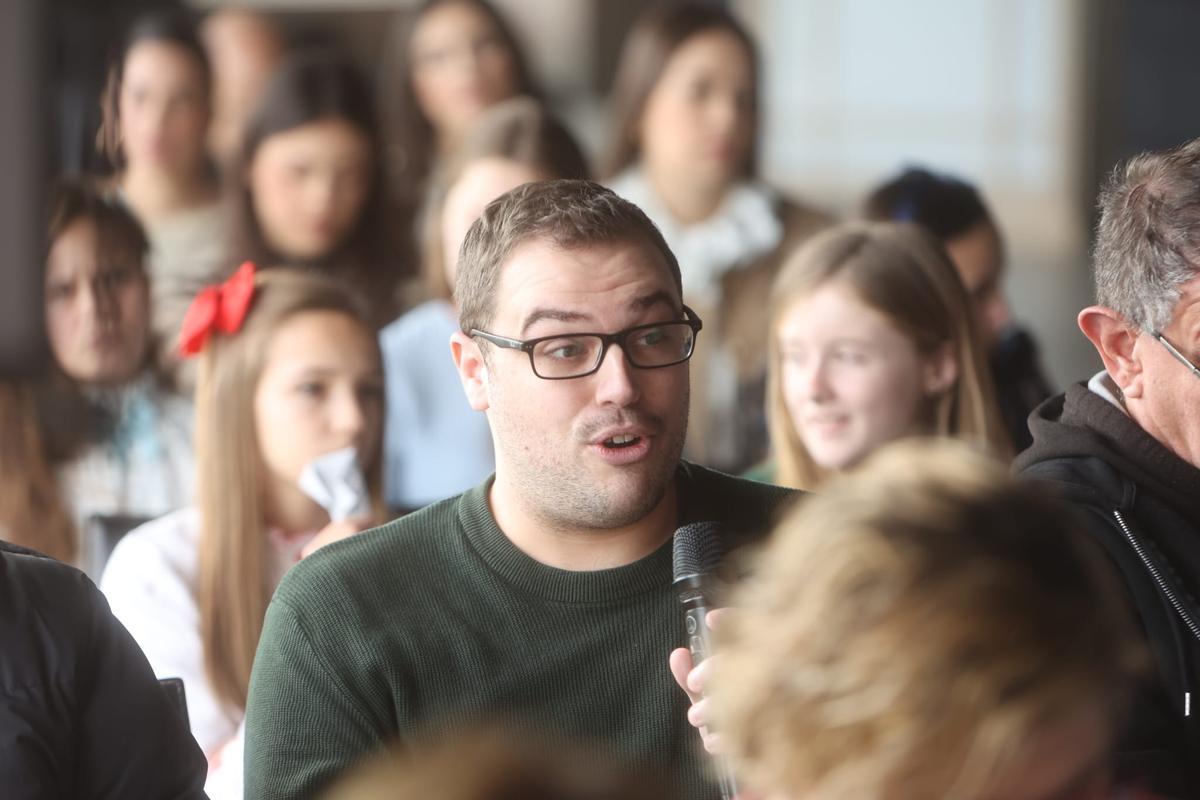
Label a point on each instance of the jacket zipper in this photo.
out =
(1158, 578)
(1167, 591)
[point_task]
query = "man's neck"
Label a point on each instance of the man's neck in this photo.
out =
(582, 549)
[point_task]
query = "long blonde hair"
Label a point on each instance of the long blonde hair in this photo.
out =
(234, 582)
(903, 273)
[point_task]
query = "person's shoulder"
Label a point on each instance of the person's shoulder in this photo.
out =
(747, 507)
(401, 553)
(38, 590)
(23, 564)
(762, 472)
(1077, 460)
(1085, 479)
(165, 539)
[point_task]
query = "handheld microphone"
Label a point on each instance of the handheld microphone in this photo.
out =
(696, 554)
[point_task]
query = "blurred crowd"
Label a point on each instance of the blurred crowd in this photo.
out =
(267, 276)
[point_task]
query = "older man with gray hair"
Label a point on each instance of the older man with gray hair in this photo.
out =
(1125, 446)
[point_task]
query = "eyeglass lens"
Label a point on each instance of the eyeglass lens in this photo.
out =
(648, 347)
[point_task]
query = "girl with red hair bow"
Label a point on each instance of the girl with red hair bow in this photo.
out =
(289, 371)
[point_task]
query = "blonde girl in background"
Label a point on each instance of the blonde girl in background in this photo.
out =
(926, 627)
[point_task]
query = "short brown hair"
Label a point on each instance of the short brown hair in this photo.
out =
(910, 629)
(567, 213)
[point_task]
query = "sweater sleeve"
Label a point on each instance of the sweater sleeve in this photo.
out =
(304, 723)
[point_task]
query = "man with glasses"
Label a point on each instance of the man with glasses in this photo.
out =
(543, 597)
(1125, 446)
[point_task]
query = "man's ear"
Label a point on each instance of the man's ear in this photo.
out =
(472, 370)
(940, 369)
(1116, 342)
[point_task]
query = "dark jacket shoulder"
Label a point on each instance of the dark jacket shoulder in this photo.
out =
(1089, 453)
(747, 509)
(81, 712)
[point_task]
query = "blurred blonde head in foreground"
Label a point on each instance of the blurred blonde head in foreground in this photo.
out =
(926, 628)
(495, 764)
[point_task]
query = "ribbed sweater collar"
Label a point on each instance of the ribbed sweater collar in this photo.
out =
(502, 557)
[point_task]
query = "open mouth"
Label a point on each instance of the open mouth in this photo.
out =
(621, 442)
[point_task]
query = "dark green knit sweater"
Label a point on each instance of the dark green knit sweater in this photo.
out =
(436, 621)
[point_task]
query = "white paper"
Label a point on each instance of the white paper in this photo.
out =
(335, 481)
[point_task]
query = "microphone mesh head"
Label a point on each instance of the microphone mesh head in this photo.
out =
(697, 549)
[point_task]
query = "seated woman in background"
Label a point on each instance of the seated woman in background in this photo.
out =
(872, 339)
(926, 627)
(310, 194)
(156, 110)
(955, 213)
(436, 444)
(291, 374)
(124, 441)
(451, 60)
(686, 110)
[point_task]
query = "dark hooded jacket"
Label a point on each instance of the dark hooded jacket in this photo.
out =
(81, 713)
(1141, 504)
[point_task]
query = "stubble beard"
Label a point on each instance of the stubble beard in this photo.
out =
(565, 497)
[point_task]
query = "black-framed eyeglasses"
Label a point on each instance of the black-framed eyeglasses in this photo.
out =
(575, 355)
(1187, 362)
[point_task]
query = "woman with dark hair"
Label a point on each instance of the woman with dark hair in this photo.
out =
(308, 193)
(452, 60)
(685, 110)
(98, 434)
(156, 109)
(954, 211)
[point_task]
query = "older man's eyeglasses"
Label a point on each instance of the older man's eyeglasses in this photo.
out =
(575, 355)
(1175, 352)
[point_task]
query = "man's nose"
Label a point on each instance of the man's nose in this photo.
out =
(616, 381)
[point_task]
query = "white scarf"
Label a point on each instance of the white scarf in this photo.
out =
(744, 227)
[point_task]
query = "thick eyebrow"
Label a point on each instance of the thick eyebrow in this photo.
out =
(639, 304)
(539, 314)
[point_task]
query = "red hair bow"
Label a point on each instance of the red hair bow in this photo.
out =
(217, 308)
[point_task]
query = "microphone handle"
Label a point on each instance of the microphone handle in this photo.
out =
(700, 645)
